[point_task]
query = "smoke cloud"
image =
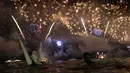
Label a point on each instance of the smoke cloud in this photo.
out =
(9, 47)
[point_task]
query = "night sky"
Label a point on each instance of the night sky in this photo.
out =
(6, 23)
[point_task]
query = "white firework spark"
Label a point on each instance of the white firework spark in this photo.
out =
(106, 28)
(18, 27)
(83, 24)
(49, 30)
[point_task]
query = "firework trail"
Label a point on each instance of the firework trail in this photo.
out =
(106, 28)
(49, 30)
(40, 26)
(83, 24)
(18, 27)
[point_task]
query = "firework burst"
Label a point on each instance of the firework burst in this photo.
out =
(69, 14)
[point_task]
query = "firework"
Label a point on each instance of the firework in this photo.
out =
(93, 14)
(119, 29)
(68, 15)
(83, 24)
(49, 30)
(106, 28)
(18, 27)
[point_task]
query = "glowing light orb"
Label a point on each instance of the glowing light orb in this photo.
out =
(101, 57)
(59, 43)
